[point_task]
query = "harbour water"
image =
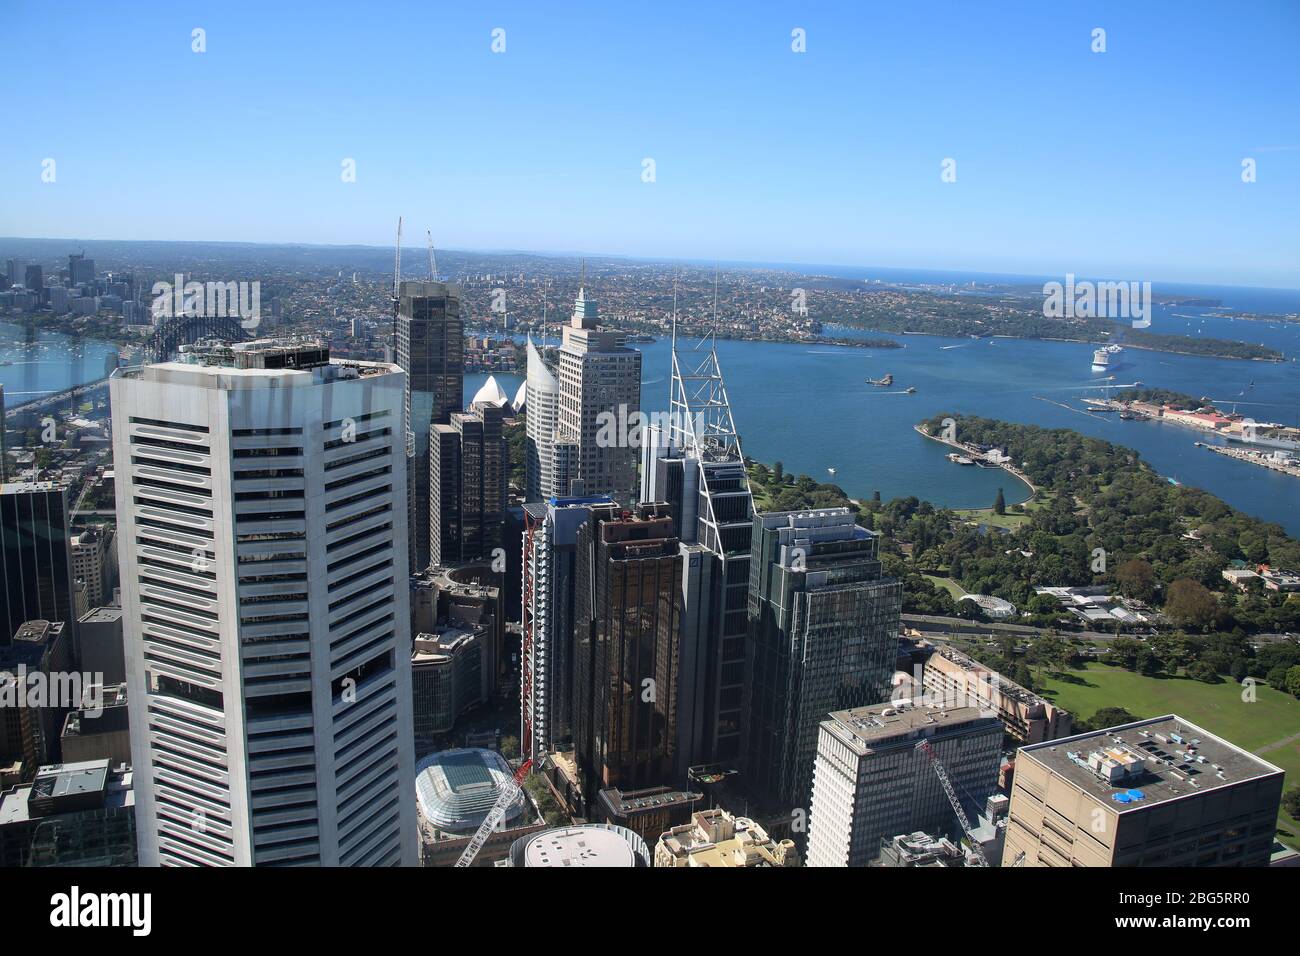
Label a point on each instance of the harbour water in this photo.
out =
(49, 363)
(810, 407)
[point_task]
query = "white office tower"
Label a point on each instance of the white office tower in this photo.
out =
(542, 399)
(870, 783)
(600, 394)
(261, 500)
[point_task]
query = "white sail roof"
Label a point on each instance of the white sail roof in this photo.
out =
(490, 393)
(539, 376)
(521, 397)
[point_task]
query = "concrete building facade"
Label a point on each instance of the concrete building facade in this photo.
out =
(1157, 792)
(261, 495)
(468, 470)
(714, 838)
(871, 783)
(952, 678)
(598, 376)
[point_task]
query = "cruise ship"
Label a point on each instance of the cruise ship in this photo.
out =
(1105, 358)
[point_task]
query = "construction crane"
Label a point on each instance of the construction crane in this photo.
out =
(433, 263)
(925, 748)
(509, 790)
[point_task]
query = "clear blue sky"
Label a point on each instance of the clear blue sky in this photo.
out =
(1125, 164)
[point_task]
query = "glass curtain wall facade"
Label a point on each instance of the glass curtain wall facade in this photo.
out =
(823, 636)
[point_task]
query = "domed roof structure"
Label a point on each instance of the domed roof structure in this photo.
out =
(590, 844)
(521, 397)
(455, 789)
(490, 394)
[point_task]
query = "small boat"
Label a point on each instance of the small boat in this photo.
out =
(830, 471)
(910, 390)
(957, 459)
(885, 380)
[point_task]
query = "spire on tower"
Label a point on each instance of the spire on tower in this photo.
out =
(584, 310)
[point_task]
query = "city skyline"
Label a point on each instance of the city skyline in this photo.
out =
(832, 155)
(887, 457)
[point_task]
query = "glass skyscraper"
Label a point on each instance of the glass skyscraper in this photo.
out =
(430, 346)
(35, 557)
(823, 636)
(627, 648)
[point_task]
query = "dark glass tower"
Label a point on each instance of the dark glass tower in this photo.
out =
(34, 557)
(627, 642)
(430, 346)
(823, 636)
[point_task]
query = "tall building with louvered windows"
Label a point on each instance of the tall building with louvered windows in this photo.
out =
(261, 500)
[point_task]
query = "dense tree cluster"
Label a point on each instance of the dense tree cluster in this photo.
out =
(1101, 516)
(1010, 315)
(1160, 396)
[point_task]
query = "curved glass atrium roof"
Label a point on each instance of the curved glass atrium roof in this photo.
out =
(455, 789)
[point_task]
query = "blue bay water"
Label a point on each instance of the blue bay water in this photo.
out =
(49, 363)
(810, 407)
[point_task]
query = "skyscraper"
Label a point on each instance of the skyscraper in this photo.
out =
(823, 636)
(698, 468)
(467, 486)
(4, 446)
(42, 650)
(34, 281)
(542, 390)
(80, 269)
(549, 593)
(872, 784)
(627, 648)
(35, 556)
(430, 337)
(261, 492)
(598, 377)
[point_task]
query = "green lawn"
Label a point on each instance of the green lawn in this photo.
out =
(989, 517)
(1011, 519)
(948, 584)
(1273, 716)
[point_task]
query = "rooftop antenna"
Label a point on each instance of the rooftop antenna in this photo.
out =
(713, 328)
(674, 310)
(673, 351)
(397, 279)
(397, 261)
(433, 263)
